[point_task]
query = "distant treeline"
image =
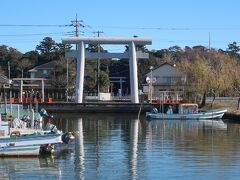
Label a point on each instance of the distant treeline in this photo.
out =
(209, 71)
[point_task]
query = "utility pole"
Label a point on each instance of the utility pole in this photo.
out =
(9, 76)
(98, 63)
(67, 82)
(76, 23)
(209, 41)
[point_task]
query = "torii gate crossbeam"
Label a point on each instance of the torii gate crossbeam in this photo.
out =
(132, 55)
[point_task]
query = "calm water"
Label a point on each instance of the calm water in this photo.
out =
(118, 146)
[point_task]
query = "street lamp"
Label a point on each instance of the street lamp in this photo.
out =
(151, 81)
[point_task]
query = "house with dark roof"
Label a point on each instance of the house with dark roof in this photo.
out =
(166, 79)
(42, 71)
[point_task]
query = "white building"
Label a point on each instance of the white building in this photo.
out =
(166, 80)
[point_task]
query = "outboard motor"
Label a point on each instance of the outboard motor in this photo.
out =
(44, 113)
(66, 137)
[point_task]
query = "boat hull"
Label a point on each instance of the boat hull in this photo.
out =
(26, 145)
(19, 151)
(217, 114)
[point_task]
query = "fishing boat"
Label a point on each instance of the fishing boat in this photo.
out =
(185, 112)
(29, 143)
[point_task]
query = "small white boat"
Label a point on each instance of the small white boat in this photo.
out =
(186, 112)
(22, 142)
(28, 145)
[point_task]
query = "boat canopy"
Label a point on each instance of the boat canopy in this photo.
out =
(188, 108)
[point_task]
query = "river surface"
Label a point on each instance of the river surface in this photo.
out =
(119, 146)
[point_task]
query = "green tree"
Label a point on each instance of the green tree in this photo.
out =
(3, 58)
(47, 48)
(104, 81)
(233, 49)
(94, 48)
(59, 75)
(32, 56)
(23, 65)
(13, 57)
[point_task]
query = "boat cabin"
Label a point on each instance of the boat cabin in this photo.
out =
(188, 109)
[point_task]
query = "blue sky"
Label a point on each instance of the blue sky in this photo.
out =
(174, 22)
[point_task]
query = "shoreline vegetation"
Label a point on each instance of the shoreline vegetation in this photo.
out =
(208, 71)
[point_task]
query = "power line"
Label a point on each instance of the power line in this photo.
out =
(34, 25)
(169, 28)
(37, 34)
(119, 27)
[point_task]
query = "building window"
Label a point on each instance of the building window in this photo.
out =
(166, 80)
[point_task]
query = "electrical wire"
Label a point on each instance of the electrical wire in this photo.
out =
(37, 34)
(34, 25)
(168, 28)
(90, 29)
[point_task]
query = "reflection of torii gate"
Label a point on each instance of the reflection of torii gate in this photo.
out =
(132, 54)
(30, 85)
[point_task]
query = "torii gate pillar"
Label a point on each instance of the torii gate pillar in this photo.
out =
(133, 73)
(132, 55)
(80, 75)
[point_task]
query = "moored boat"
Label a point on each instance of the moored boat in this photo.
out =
(29, 143)
(186, 112)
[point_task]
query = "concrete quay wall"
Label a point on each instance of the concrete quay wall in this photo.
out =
(95, 107)
(117, 107)
(232, 116)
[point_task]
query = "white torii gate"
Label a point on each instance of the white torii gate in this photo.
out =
(132, 54)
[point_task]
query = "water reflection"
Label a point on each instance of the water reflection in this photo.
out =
(212, 124)
(29, 168)
(133, 147)
(79, 150)
(119, 146)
